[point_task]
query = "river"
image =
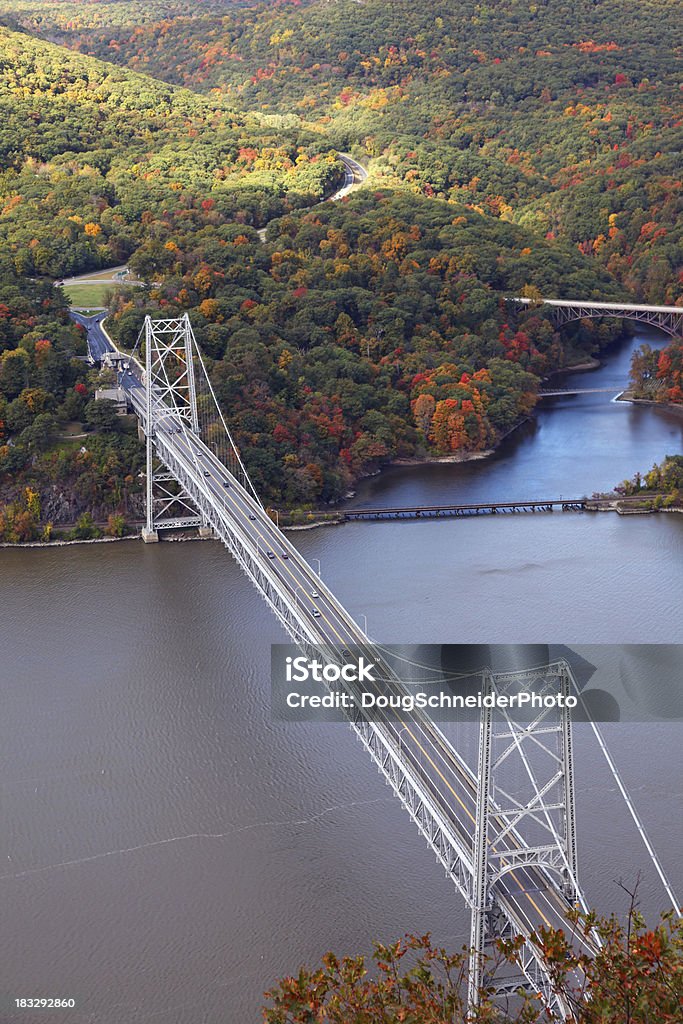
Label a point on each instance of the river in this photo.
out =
(167, 851)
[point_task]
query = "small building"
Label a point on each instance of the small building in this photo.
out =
(116, 395)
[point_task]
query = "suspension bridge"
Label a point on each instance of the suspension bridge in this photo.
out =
(511, 854)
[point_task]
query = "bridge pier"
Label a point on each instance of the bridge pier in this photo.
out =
(150, 536)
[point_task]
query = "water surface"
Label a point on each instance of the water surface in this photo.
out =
(167, 851)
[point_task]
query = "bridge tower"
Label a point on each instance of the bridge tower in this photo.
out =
(179, 396)
(170, 388)
(525, 798)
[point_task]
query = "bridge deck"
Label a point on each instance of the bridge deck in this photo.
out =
(631, 307)
(463, 510)
(581, 391)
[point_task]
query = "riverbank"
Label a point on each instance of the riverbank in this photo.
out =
(136, 535)
(424, 460)
(68, 543)
(456, 457)
(674, 407)
(587, 364)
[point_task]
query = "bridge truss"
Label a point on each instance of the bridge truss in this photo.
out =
(667, 318)
(545, 804)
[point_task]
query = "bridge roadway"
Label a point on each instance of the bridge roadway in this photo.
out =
(667, 318)
(526, 893)
(608, 307)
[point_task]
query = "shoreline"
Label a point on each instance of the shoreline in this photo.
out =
(424, 460)
(67, 543)
(675, 407)
(613, 506)
(399, 463)
(96, 540)
(593, 363)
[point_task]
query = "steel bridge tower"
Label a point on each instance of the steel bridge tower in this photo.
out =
(525, 800)
(171, 385)
(179, 391)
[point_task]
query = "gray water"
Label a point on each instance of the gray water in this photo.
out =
(167, 851)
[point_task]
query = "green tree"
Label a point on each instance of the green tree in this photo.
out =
(102, 415)
(85, 528)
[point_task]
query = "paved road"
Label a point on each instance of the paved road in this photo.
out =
(631, 306)
(116, 275)
(98, 343)
(354, 174)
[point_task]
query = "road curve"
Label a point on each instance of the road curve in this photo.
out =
(354, 175)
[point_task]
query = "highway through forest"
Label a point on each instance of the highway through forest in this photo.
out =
(354, 174)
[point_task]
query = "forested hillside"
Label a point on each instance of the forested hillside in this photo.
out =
(565, 118)
(658, 374)
(531, 149)
(366, 330)
(89, 152)
(64, 458)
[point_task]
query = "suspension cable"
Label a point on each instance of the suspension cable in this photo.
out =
(630, 805)
(634, 814)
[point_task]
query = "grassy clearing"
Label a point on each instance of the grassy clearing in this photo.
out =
(88, 295)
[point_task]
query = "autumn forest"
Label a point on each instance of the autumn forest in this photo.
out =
(525, 149)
